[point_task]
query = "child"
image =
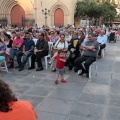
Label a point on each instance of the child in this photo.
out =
(60, 61)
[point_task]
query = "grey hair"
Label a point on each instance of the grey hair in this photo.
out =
(92, 34)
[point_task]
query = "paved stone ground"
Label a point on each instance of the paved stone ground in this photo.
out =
(80, 99)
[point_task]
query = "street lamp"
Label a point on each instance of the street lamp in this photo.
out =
(46, 12)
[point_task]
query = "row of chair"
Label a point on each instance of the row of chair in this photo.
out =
(3, 65)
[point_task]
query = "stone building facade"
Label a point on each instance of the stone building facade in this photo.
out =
(27, 12)
(20, 12)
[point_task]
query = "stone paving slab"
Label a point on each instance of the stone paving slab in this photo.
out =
(66, 94)
(96, 88)
(116, 76)
(93, 98)
(80, 98)
(113, 113)
(50, 116)
(58, 106)
(88, 111)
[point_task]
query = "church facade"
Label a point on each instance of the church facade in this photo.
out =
(27, 12)
(40, 12)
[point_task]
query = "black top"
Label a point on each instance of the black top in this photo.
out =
(10, 44)
(42, 45)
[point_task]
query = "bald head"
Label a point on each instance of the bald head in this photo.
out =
(102, 32)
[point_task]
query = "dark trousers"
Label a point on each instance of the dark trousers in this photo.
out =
(38, 56)
(101, 47)
(87, 62)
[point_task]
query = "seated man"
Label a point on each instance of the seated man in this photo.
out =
(89, 55)
(102, 39)
(40, 51)
(73, 47)
(28, 48)
(17, 46)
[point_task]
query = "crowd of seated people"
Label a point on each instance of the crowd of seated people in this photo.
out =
(82, 46)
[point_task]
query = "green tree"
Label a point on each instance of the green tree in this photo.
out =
(93, 10)
(81, 9)
(89, 9)
(96, 9)
(109, 11)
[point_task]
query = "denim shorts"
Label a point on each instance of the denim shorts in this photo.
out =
(60, 71)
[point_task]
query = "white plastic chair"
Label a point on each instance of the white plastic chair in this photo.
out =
(95, 65)
(35, 40)
(90, 69)
(103, 52)
(95, 69)
(46, 57)
(3, 68)
(49, 54)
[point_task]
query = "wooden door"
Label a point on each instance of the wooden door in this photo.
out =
(17, 16)
(59, 17)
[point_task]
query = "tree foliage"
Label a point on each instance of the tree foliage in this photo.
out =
(95, 9)
(109, 11)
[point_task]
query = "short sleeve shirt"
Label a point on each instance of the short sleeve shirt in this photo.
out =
(21, 110)
(18, 42)
(59, 64)
(28, 44)
(3, 47)
(89, 52)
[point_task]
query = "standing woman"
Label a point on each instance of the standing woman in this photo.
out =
(13, 109)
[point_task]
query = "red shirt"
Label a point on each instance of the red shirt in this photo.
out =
(59, 64)
(118, 32)
(18, 42)
(48, 39)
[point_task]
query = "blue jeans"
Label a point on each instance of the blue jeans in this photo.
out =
(13, 52)
(25, 58)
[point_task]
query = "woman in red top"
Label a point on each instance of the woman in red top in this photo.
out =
(46, 36)
(13, 109)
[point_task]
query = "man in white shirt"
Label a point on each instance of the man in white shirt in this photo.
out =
(102, 39)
